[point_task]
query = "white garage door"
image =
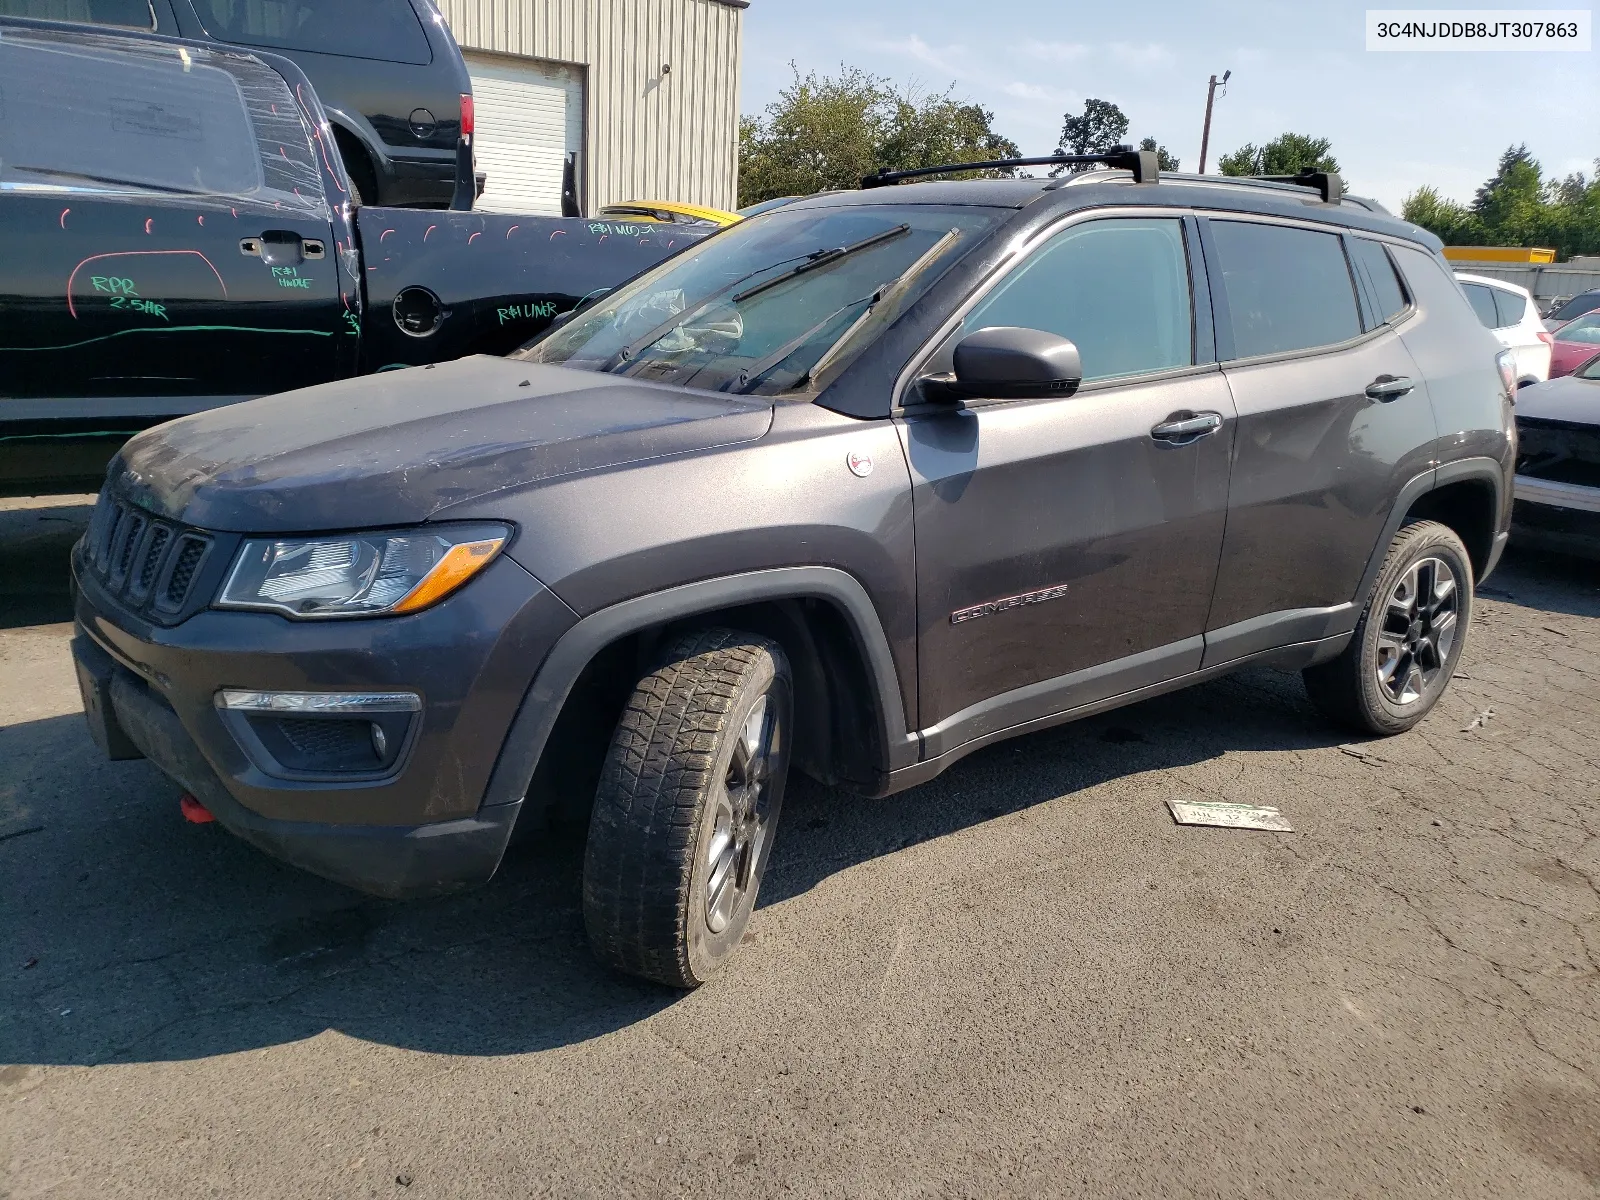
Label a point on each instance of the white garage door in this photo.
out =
(529, 118)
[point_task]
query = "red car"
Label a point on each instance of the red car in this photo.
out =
(1574, 344)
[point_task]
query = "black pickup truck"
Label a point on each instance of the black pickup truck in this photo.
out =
(176, 233)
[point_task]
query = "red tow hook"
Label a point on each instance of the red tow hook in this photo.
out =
(193, 811)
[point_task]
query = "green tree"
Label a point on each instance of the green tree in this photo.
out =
(1516, 207)
(1286, 154)
(828, 131)
(1165, 159)
(1454, 223)
(1510, 206)
(1099, 127)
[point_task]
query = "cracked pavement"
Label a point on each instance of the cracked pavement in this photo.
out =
(1020, 979)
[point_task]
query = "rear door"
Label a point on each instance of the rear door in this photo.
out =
(164, 236)
(1333, 420)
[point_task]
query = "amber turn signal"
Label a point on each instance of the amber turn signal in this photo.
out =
(459, 564)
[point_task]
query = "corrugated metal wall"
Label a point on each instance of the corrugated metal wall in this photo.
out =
(648, 135)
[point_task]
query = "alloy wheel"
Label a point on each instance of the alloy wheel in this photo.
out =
(741, 825)
(1419, 629)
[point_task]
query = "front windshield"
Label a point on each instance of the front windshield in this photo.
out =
(770, 303)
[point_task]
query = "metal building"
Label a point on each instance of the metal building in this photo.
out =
(644, 92)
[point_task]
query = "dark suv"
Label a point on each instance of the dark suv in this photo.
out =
(860, 485)
(388, 72)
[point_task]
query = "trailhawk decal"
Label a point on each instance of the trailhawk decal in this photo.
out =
(990, 607)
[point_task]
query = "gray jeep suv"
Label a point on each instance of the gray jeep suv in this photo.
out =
(860, 485)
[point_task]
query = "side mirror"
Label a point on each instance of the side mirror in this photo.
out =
(1007, 362)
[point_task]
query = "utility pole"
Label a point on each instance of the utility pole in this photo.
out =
(1211, 97)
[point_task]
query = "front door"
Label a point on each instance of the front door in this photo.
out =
(1067, 548)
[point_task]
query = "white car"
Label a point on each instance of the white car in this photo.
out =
(1558, 464)
(1510, 312)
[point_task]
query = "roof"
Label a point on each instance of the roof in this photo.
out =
(1490, 281)
(1095, 189)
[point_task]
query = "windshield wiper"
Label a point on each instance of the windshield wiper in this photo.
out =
(820, 258)
(56, 173)
(761, 367)
(750, 378)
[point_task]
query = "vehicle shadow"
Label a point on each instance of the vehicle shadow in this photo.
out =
(35, 543)
(1553, 583)
(128, 935)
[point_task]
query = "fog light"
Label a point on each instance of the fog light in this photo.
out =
(380, 741)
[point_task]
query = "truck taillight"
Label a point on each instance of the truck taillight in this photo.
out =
(466, 115)
(1507, 363)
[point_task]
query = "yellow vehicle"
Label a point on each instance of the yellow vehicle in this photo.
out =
(669, 212)
(1500, 254)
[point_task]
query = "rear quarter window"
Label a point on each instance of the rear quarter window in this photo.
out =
(387, 30)
(1482, 301)
(1510, 307)
(1287, 289)
(1372, 260)
(129, 14)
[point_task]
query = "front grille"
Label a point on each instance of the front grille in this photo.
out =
(141, 560)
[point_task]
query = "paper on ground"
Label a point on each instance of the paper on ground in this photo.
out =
(1230, 816)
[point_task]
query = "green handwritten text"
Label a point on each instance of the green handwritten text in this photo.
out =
(113, 285)
(526, 312)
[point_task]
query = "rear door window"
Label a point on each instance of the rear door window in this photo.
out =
(387, 30)
(1117, 289)
(1510, 306)
(1482, 301)
(130, 14)
(1372, 261)
(76, 116)
(1287, 289)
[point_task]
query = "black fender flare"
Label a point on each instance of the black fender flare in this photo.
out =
(1476, 469)
(541, 705)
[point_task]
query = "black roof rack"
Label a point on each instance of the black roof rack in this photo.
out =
(1141, 162)
(1331, 186)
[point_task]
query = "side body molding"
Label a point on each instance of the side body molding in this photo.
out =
(536, 716)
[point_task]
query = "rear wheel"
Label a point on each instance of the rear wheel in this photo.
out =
(687, 807)
(1409, 639)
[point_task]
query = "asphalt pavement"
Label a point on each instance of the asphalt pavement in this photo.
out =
(1020, 979)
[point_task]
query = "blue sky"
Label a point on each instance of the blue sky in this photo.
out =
(1396, 120)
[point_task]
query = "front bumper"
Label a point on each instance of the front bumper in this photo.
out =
(423, 828)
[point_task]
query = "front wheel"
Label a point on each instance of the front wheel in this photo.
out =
(687, 806)
(1409, 639)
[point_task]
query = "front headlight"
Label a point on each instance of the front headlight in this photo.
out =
(359, 574)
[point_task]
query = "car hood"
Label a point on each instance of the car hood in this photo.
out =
(1576, 401)
(398, 447)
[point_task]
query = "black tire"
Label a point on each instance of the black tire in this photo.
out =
(1399, 661)
(671, 795)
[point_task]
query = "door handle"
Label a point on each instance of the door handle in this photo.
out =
(1180, 430)
(1388, 387)
(281, 248)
